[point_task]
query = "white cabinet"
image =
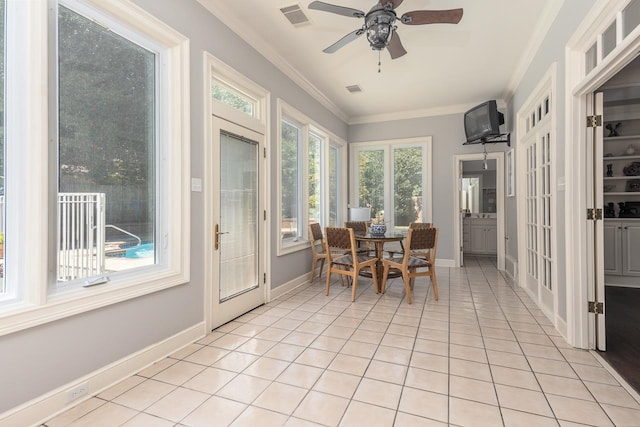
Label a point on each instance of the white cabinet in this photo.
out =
(482, 236)
(622, 247)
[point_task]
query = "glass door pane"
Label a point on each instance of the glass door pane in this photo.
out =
(238, 215)
(407, 186)
(371, 180)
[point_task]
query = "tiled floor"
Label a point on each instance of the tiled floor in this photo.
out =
(483, 355)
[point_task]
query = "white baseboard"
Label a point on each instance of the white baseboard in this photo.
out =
(511, 268)
(42, 408)
(448, 263)
(290, 286)
(561, 326)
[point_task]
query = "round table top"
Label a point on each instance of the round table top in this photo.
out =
(389, 236)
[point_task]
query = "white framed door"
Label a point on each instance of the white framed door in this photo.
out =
(237, 221)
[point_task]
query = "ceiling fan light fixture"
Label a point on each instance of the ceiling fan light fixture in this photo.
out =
(379, 28)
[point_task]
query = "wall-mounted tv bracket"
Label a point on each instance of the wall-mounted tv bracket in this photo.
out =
(503, 137)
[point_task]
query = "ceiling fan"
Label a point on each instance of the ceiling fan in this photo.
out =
(379, 23)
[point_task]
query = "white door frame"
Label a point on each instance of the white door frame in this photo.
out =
(457, 172)
(579, 178)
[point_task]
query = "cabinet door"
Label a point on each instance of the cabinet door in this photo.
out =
(491, 239)
(612, 247)
(631, 248)
(477, 238)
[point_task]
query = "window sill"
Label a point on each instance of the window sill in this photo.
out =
(286, 248)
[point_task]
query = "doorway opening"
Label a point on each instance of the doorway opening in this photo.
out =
(479, 224)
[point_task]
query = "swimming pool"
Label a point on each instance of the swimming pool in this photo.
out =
(143, 251)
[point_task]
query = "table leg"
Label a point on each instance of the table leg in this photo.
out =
(379, 265)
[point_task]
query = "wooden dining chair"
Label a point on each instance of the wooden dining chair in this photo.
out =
(360, 227)
(349, 264)
(400, 254)
(317, 249)
(423, 241)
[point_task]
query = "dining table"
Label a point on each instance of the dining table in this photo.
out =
(379, 241)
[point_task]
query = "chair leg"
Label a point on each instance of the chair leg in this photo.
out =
(328, 279)
(321, 267)
(354, 285)
(385, 276)
(434, 283)
(313, 269)
(407, 288)
(374, 274)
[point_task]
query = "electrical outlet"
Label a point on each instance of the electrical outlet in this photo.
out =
(77, 391)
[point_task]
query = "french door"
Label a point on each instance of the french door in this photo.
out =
(238, 270)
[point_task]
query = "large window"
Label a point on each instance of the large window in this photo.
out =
(3, 289)
(310, 178)
(97, 178)
(393, 179)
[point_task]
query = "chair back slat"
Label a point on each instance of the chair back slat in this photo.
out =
(340, 238)
(316, 231)
(422, 238)
(358, 227)
(420, 225)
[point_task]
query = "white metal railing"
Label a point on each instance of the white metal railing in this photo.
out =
(81, 235)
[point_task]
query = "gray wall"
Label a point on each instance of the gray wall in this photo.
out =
(40, 359)
(447, 134)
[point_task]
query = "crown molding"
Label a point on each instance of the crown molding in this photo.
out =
(246, 33)
(549, 15)
(416, 114)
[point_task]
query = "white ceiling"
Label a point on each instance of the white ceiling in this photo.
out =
(448, 68)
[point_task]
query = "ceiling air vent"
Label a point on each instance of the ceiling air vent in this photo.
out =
(295, 15)
(354, 89)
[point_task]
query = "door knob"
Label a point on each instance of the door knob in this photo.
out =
(216, 244)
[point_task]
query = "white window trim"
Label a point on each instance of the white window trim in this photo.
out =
(307, 125)
(28, 119)
(387, 145)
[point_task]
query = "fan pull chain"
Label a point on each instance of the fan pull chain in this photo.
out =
(379, 63)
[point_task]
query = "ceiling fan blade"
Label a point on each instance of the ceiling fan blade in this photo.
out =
(343, 41)
(395, 3)
(340, 10)
(420, 17)
(395, 48)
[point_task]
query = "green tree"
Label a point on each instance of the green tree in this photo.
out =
(407, 185)
(371, 180)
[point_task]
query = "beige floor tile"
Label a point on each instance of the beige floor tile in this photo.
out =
(513, 418)
(424, 404)
(389, 372)
(515, 377)
(502, 345)
(508, 360)
(147, 420)
(211, 337)
(465, 368)
(253, 416)
(523, 400)
(432, 347)
(368, 336)
(210, 380)
(229, 341)
(266, 368)
(273, 334)
(528, 337)
(552, 367)
(179, 373)
(336, 331)
(177, 404)
(125, 385)
(324, 342)
(322, 408)
(612, 394)
(300, 375)
(299, 338)
(378, 393)
(596, 374)
(503, 334)
(287, 352)
(362, 414)
(235, 361)
(248, 330)
(564, 386)
(622, 416)
(473, 414)
(256, 346)
(105, 415)
(429, 361)
(159, 366)
(315, 357)
(144, 394)
(185, 351)
(584, 357)
(393, 355)
(464, 352)
(424, 379)
(543, 351)
(403, 419)
(224, 411)
(359, 349)
(435, 335)
(349, 364)
(78, 411)
(243, 388)
(579, 411)
(470, 389)
(207, 355)
(398, 341)
(279, 397)
(337, 383)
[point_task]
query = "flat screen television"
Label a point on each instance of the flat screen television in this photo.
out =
(482, 122)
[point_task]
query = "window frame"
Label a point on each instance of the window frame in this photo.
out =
(388, 147)
(29, 212)
(308, 126)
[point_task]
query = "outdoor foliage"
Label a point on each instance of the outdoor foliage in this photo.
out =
(289, 170)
